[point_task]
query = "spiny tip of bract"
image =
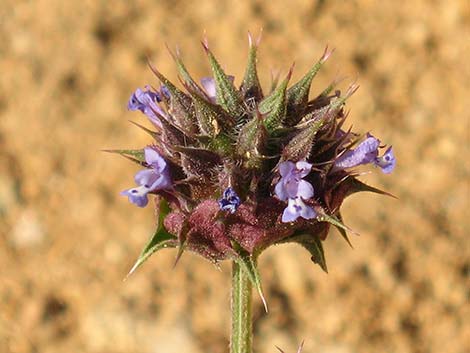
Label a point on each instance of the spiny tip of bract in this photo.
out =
(291, 71)
(153, 68)
(250, 39)
(353, 87)
(174, 54)
(326, 54)
(152, 133)
(205, 43)
(252, 42)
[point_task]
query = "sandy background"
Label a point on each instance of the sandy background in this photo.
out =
(67, 238)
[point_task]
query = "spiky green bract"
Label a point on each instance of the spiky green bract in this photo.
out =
(228, 97)
(341, 230)
(251, 88)
(136, 156)
(300, 145)
(297, 96)
(237, 141)
(251, 142)
(185, 75)
(274, 106)
(161, 239)
(211, 118)
(180, 107)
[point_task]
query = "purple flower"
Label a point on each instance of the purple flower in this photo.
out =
(293, 188)
(147, 102)
(157, 177)
(291, 184)
(366, 152)
(297, 208)
(208, 83)
(229, 201)
(387, 161)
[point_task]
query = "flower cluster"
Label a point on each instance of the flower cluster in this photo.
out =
(236, 169)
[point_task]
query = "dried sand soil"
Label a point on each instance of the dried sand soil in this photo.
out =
(67, 238)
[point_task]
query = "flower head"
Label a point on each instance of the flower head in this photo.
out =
(216, 138)
(156, 177)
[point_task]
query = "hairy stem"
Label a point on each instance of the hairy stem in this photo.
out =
(241, 338)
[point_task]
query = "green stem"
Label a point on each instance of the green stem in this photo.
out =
(241, 339)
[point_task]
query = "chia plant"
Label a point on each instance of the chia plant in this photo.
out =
(235, 169)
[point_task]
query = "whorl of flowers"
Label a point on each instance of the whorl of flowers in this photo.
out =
(238, 168)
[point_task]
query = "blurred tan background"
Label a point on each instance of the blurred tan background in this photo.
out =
(67, 238)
